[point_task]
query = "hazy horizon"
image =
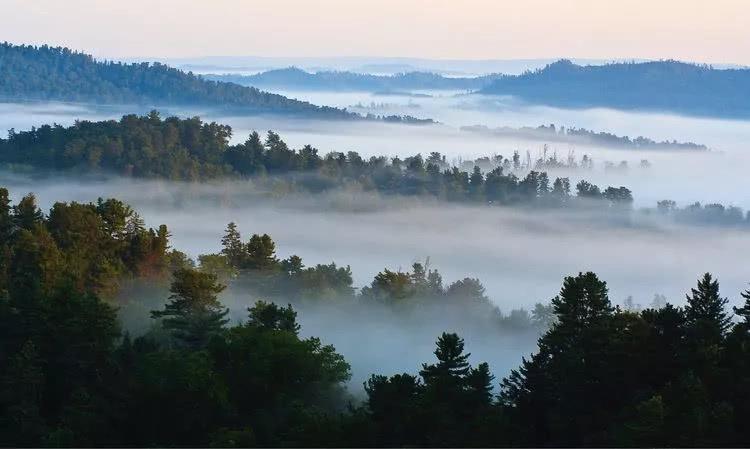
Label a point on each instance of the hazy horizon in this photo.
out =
(714, 33)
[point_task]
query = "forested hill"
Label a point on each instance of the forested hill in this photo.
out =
(192, 150)
(662, 85)
(293, 77)
(60, 74)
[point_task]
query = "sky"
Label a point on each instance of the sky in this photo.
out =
(713, 31)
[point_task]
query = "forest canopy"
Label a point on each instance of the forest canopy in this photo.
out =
(668, 375)
(190, 149)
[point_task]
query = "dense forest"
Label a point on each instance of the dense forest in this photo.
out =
(72, 376)
(584, 136)
(191, 150)
(659, 86)
(60, 74)
(296, 78)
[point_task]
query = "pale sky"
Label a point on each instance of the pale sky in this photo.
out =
(714, 31)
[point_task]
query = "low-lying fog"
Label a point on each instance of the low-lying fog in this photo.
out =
(521, 257)
(685, 177)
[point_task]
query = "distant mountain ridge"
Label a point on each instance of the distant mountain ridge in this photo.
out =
(60, 74)
(293, 77)
(660, 85)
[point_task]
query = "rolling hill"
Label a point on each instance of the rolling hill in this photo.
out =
(660, 85)
(44, 73)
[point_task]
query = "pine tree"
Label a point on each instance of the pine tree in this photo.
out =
(479, 382)
(744, 311)
(233, 248)
(582, 300)
(268, 315)
(26, 214)
(261, 253)
(705, 312)
(452, 362)
(194, 313)
(6, 219)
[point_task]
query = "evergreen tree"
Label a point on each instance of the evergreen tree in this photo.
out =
(6, 216)
(232, 245)
(261, 253)
(452, 362)
(194, 313)
(271, 316)
(744, 311)
(26, 214)
(705, 312)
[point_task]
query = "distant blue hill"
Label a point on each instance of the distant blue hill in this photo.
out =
(296, 78)
(660, 86)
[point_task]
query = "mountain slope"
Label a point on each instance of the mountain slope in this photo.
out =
(660, 85)
(59, 74)
(293, 77)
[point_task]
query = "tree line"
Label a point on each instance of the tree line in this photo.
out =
(189, 149)
(601, 376)
(584, 136)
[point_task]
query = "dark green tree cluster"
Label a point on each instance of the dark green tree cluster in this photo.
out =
(60, 74)
(450, 403)
(83, 247)
(253, 267)
(673, 376)
(140, 146)
(71, 379)
(602, 376)
(189, 149)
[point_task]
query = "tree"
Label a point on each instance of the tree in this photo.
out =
(268, 315)
(705, 313)
(390, 286)
(194, 313)
(467, 289)
(292, 265)
(744, 311)
(452, 362)
(261, 253)
(6, 217)
(583, 300)
(232, 245)
(26, 214)
(479, 382)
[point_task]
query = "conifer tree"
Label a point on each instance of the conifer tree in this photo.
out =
(194, 313)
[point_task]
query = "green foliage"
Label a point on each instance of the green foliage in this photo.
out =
(194, 314)
(602, 376)
(270, 316)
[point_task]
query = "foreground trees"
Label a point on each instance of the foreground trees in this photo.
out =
(69, 375)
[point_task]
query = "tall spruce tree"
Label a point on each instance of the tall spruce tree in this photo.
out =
(705, 312)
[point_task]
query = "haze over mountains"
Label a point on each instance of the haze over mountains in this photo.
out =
(352, 81)
(674, 86)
